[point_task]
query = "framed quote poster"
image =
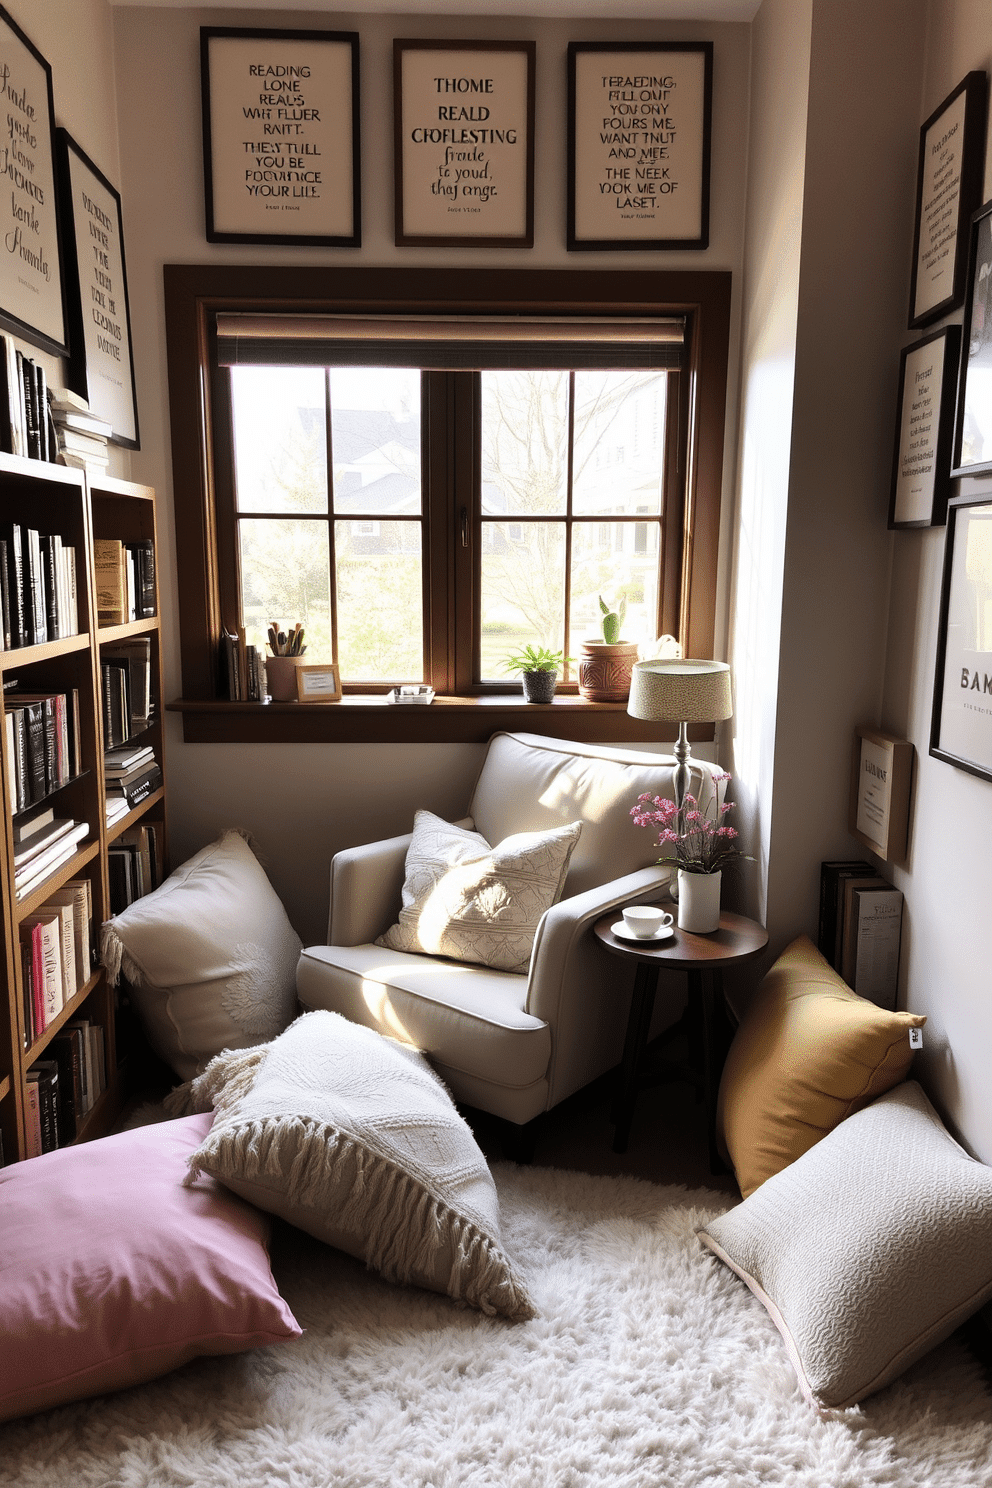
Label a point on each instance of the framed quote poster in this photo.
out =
(972, 454)
(281, 136)
(639, 144)
(32, 302)
(921, 468)
(948, 191)
(961, 726)
(101, 363)
(463, 119)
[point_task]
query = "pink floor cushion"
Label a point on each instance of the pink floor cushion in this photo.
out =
(112, 1273)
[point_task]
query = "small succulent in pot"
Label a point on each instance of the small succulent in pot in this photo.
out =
(612, 620)
(539, 668)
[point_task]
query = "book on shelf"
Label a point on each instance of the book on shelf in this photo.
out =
(118, 763)
(34, 873)
(33, 971)
(111, 584)
(30, 826)
(94, 1070)
(52, 987)
(242, 669)
(43, 744)
(44, 1073)
(135, 655)
(76, 896)
(873, 949)
(833, 874)
(66, 1048)
(846, 929)
(117, 806)
(27, 852)
(132, 863)
(134, 790)
(80, 422)
(32, 1116)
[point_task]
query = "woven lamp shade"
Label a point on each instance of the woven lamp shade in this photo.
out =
(681, 691)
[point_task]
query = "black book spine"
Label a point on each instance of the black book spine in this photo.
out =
(108, 712)
(34, 728)
(47, 1076)
(13, 536)
(144, 553)
(4, 596)
(50, 580)
(22, 765)
(41, 397)
(26, 380)
(65, 1052)
(51, 725)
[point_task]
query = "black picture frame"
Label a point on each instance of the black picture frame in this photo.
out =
(659, 216)
(101, 361)
(961, 721)
(32, 281)
(952, 139)
(307, 189)
(972, 452)
(921, 463)
(475, 133)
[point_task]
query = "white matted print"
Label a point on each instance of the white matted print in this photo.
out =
(639, 145)
(280, 136)
(101, 366)
(31, 292)
(464, 142)
(961, 731)
(924, 426)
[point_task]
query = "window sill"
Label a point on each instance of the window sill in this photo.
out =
(371, 720)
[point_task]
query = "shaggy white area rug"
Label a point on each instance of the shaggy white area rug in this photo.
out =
(649, 1366)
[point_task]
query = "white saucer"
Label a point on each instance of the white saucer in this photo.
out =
(665, 933)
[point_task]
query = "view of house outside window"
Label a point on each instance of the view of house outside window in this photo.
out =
(330, 510)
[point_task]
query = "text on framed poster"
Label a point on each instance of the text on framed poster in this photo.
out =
(280, 136)
(924, 428)
(948, 191)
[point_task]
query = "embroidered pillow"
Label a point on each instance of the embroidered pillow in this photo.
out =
(211, 956)
(353, 1138)
(471, 902)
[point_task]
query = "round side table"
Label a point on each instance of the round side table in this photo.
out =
(702, 958)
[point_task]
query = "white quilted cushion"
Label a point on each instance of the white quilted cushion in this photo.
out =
(353, 1138)
(211, 957)
(869, 1249)
(471, 902)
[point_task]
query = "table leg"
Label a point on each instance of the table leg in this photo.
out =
(709, 991)
(638, 1023)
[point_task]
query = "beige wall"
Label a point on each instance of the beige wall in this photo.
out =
(302, 803)
(947, 878)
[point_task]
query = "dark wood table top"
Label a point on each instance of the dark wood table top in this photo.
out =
(738, 939)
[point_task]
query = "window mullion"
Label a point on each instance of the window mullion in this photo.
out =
(570, 471)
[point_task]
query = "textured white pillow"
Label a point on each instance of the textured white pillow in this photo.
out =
(211, 956)
(353, 1138)
(471, 902)
(869, 1249)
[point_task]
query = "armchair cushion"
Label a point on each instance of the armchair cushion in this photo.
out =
(471, 902)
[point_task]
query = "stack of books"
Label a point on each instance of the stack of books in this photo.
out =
(126, 683)
(133, 861)
(43, 744)
(242, 667)
(64, 1087)
(44, 850)
(860, 928)
(37, 587)
(56, 954)
(26, 426)
(131, 774)
(81, 437)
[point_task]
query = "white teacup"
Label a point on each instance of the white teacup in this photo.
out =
(643, 920)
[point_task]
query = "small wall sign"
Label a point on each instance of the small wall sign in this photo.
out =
(881, 775)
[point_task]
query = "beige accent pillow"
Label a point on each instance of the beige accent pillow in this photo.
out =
(210, 954)
(869, 1250)
(353, 1138)
(471, 902)
(807, 1054)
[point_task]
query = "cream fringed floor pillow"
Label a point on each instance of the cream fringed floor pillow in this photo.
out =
(353, 1138)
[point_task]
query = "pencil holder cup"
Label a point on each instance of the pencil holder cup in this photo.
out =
(280, 672)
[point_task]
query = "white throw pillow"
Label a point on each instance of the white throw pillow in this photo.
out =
(352, 1137)
(869, 1249)
(471, 902)
(211, 956)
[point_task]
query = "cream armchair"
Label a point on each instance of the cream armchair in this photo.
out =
(512, 1045)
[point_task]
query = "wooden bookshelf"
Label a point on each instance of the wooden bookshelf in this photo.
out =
(53, 499)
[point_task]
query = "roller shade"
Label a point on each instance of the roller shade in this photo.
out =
(439, 343)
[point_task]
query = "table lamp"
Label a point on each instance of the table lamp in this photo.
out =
(682, 691)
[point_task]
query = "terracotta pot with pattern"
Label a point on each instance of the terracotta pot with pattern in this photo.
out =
(604, 670)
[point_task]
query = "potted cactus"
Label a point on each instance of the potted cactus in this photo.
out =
(538, 668)
(605, 665)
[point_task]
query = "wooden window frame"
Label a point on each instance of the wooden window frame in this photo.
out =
(194, 293)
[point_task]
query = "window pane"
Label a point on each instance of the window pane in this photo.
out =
(524, 442)
(280, 450)
(619, 442)
(380, 601)
(523, 590)
(626, 566)
(375, 440)
(285, 578)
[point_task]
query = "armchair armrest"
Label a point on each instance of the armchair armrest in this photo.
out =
(577, 988)
(366, 887)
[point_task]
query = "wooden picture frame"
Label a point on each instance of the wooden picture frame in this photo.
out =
(281, 149)
(101, 364)
(639, 141)
(921, 465)
(972, 452)
(32, 284)
(463, 128)
(881, 778)
(318, 683)
(948, 191)
(961, 722)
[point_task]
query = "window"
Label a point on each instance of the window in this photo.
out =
(428, 485)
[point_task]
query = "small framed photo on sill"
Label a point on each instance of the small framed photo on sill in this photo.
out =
(881, 776)
(921, 466)
(463, 121)
(319, 683)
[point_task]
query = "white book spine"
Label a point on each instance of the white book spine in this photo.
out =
(879, 931)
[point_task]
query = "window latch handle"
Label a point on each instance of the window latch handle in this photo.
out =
(464, 525)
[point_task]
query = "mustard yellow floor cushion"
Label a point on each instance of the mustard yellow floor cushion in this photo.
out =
(808, 1053)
